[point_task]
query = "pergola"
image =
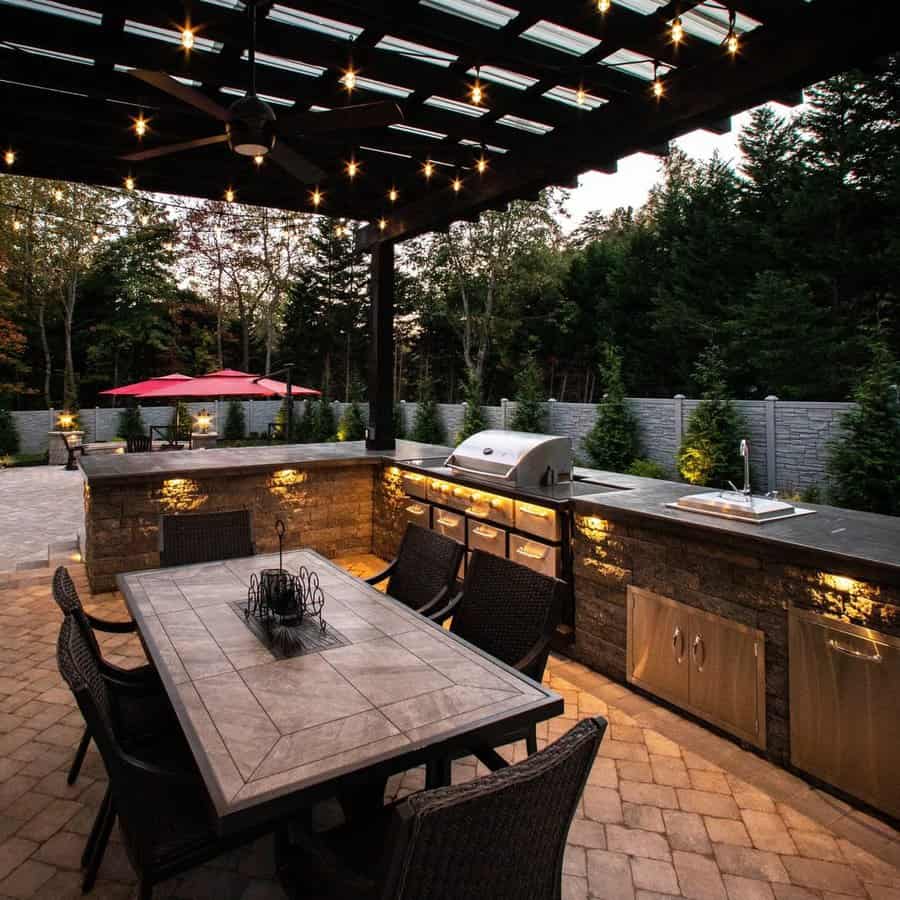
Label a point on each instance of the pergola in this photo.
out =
(565, 87)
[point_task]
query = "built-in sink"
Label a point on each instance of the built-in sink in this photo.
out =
(736, 505)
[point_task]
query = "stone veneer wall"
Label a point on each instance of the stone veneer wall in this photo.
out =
(390, 520)
(328, 508)
(747, 584)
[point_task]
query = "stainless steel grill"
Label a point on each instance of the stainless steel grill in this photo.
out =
(514, 458)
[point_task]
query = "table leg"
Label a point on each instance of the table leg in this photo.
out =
(437, 773)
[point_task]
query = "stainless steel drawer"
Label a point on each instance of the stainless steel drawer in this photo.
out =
(449, 524)
(459, 497)
(491, 508)
(486, 537)
(439, 490)
(537, 520)
(415, 485)
(536, 555)
(419, 513)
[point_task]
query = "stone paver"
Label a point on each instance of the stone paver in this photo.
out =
(657, 819)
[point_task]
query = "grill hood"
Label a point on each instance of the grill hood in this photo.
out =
(514, 457)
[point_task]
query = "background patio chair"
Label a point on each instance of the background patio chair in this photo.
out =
(73, 450)
(500, 837)
(205, 537)
(159, 797)
(424, 570)
(139, 443)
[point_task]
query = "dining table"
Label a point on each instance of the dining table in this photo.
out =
(275, 726)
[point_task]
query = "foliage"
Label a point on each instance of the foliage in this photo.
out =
(131, 422)
(648, 468)
(864, 463)
(399, 427)
(352, 426)
(9, 434)
(235, 421)
(473, 419)
(24, 460)
(530, 413)
(324, 427)
(709, 452)
(181, 423)
(427, 426)
(612, 442)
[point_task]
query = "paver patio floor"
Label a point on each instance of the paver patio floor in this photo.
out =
(670, 809)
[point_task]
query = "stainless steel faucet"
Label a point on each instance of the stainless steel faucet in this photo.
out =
(745, 452)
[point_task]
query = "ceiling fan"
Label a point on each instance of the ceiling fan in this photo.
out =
(251, 127)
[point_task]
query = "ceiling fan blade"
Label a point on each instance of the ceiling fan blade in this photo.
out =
(294, 164)
(363, 115)
(175, 148)
(184, 93)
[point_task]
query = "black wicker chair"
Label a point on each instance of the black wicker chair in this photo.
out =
(424, 571)
(205, 537)
(139, 443)
(510, 612)
(141, 716)
(500, 837)
(155, 790)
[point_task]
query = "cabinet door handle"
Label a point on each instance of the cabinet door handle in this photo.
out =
(678, 644)
(487, 533)
(698, 652)
(838, 647)
(448, 523)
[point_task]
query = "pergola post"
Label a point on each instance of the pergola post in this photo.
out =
(380, 431)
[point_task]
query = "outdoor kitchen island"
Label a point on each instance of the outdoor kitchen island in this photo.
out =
(674, 576)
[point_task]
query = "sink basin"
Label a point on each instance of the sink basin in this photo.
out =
(734, 505)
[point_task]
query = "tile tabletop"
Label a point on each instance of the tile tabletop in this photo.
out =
(397, 689)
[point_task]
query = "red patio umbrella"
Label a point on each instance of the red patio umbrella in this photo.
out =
(227, 383)
(139, 388)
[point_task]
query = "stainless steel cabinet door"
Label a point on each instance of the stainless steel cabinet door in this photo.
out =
(658, 645)
(845, 707)
(727, 678)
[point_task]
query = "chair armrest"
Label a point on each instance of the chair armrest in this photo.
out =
(135, 687)
(435, 601)
(381, 576)
(173, 776)
(443, 614)
(111, 626)
(533, 654)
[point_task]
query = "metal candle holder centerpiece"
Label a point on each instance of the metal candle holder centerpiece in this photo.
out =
(282, 601)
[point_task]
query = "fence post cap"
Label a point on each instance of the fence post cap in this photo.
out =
(504, 400)
(551, 400)
(679, 397)
(403, 401)
(771, 397)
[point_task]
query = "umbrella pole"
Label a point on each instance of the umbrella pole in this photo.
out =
(290, 404)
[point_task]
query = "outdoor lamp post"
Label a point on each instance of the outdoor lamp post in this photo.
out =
(65, 421)
(204, 420)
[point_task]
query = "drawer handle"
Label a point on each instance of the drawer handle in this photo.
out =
(479, 512)
(838, 647)
(678, 644)
(447, 523)
(415, 509)
(698, 652)
(537, 513)
(488, 533)
(415, 478)
(523, 551)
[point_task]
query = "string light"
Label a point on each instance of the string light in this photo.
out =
(428, 168)
(732, 43)
(9, 157)
(677, 31)
(129, 183)
(580, 95)
(382, 224)
(352, 168)
(457, 184)
(58, 195)
(258, 160)
(229, 196)
(477, 92)
(145, 220)
(657, 85)
(339, 230)
(187, 39)
(603, 6)
(349, 78)
(17, 225)
(481, 164)
(316, 197)
(140, 125)
(95, 238)
(393, 195)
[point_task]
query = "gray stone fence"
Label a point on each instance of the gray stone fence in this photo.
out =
(788, 440)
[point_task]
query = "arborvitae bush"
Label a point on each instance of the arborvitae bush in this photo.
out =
(473, 415)
(352, 426)
(427, 426)
(9, 434)
(710, 449)
(131, 423)
(324, 427)
(399, 427)
(864, 462)
(181, 422)
(235, 421)
(530, 413)
(612, 443)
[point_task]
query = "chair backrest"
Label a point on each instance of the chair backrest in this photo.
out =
(426, 563)
(502, 836)
(205, 537)
(66, 596)
(138, 443)
(507, 608)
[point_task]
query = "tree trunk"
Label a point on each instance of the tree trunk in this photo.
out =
(70, 392)
(45, 345)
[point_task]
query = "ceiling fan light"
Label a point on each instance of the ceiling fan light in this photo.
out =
(251, 130)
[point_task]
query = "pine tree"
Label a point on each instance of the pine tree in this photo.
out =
(181, 423)
(710, 450)
(235, 421)
(352, 426)
(530, 413)
(9, 434)
(324, 427)
(864, 463)
(612, 443)
(131, 423)
(427, 426)
(473, 416)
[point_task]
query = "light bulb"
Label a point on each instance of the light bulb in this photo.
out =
(382, 224)
(677, 31)
(481, 165)
(140, 125)
(352, 168)
(732, 43)
(457, 185)
(349, 79)
(658, 89)
(258, 159)
(580, 96)
(316, 197)
(145, 220)
(187, 39)
(17, 225)
(339, 231)
(168, 246)
(603, 6)
(477, 93)
(9, 157)
(57, 195)
(95, 238)
(428, 169)
(229, 196)
(129, 183)
(393, 195)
